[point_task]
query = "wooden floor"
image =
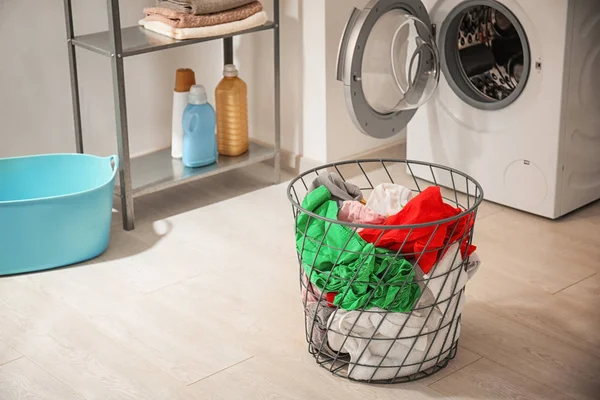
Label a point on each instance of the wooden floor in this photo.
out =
(201, 301)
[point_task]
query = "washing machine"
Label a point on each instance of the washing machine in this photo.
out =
(506, 91)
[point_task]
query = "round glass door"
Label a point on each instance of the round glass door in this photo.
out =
(389, 65)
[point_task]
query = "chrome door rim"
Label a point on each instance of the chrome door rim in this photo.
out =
(371, 122)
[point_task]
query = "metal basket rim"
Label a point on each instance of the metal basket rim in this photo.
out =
(473, 208)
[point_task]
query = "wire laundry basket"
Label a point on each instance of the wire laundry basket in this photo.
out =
(383, 303)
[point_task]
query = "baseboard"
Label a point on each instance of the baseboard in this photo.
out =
(394, 150)
(295, 163)
(289, 161)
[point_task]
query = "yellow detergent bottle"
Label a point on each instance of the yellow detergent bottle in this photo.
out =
(232, 113)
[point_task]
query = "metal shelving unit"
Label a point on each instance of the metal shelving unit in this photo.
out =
(158, 171)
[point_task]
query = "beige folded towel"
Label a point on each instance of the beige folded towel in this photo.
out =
(181, 20)
(255, 20)
(199, 7)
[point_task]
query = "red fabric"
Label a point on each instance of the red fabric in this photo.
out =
(428, 206)
(329, 297)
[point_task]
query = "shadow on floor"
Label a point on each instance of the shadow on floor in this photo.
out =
(160, 206)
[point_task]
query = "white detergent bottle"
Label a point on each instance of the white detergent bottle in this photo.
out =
(184, 80)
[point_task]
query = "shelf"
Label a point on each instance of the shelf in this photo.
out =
(157, 171)
(137, 40)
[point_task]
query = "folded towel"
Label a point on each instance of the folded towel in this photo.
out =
(199, 7)
(178, 19)
(255, 20)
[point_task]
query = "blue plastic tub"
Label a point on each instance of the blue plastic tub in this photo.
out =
(55, 210)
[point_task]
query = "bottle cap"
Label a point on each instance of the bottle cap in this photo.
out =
(184, 80)
(230, 70)
(197, 95)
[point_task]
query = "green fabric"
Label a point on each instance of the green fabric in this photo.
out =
(330, 262)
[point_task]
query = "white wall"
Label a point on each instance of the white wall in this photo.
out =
(303, 79)
(343, 138)
(35, 101)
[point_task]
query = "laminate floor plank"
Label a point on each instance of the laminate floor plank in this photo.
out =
(7, 353)
(464, 357)
(299, 378)
(188, 350)
(529, 250)
(585, 292)
(23, 380)
(487, 380)
(537, 356)
(56, 338)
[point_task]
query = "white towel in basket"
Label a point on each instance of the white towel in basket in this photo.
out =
(350, 331)
(367, 355)
(473, 263)
(388, 198)
(440, 284)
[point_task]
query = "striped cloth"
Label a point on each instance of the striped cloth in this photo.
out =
(200, 7)
(177, 19)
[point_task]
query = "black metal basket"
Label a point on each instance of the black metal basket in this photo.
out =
(373, 311)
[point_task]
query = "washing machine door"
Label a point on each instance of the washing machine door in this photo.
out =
(389, 64)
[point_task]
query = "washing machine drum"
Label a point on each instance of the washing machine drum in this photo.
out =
(389, 61)
(485, 54)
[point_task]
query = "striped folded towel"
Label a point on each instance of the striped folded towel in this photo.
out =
(178, 19)
(199, 7)
(228, 28)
